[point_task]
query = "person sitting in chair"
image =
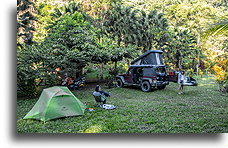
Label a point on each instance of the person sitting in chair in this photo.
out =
(100, 95)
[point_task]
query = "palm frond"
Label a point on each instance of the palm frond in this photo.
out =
(217, 29)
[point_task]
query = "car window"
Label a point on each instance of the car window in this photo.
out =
(160, 70)
(129, 71)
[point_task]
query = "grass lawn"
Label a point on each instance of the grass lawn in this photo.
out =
(201, 109)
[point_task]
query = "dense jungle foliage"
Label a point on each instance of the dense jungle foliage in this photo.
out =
(55, 37)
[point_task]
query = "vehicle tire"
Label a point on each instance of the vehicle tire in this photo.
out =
(162, 87)
(119, 83)
(145, 86)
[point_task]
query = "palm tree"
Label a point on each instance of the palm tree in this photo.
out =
(132, 26)
(117, 22)
(25, 22)
(220, 28)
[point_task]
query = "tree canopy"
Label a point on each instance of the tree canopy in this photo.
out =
(67, 35)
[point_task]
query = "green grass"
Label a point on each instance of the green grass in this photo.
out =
(202, 109)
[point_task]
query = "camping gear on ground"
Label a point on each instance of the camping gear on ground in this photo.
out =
(56, 102)
(189, 81)
(77, 83)
(107, 106)
(90, 109)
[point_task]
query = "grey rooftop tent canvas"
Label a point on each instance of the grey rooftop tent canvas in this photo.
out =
(56, 102)
(151, 57)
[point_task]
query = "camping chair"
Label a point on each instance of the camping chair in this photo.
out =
(99, 98)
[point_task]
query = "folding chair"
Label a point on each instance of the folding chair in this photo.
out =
(99, 98)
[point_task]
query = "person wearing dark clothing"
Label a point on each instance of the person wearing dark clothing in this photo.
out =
(98, 89)
(100, 93)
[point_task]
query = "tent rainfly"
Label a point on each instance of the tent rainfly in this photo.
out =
(56, 102)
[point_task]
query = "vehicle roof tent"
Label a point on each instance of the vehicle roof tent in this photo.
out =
(151, 57)
(56, 102)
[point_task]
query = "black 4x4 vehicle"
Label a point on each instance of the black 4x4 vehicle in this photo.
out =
(147, 71)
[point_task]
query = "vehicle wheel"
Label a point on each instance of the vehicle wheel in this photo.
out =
(145, 86)
(119, 83)
(162, 87)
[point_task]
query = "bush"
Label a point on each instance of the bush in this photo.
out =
(221, 75)
(27, 87)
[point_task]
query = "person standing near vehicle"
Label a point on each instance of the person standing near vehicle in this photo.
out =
(181, 78)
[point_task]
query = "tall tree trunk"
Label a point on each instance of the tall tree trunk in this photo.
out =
(128, 62)
(101, 71)
(150, 45)
(78, 72)
(180, 64)
(197, 66)
(115, 65)
(179, 61)
(144, 49)
(75, 71)
(119, 40)
(198, 58)
(226, 1)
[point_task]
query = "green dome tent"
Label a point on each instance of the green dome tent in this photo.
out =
(56, 102)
